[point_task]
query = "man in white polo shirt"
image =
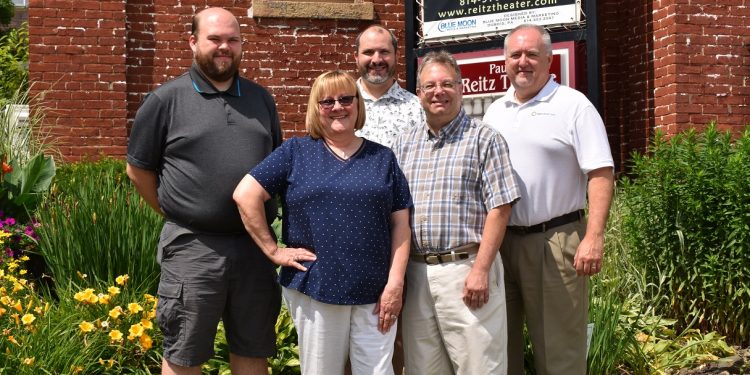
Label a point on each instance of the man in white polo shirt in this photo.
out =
(559, 151)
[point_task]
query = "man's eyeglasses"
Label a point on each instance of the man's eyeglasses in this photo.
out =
(445, 85)
(345, 101)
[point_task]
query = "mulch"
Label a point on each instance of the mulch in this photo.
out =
(739, 363)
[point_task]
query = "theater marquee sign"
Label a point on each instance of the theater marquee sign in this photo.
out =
(483, 73)
(451, 19)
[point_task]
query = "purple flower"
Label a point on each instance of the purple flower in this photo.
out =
(10, 221)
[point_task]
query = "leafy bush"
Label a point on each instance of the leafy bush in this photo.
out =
(95, 222)
(686, 217)
(14, 57)
(110, 331)
(25, 152)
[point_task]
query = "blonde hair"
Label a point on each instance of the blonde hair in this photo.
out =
(327, 84)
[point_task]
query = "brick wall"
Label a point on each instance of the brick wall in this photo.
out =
(77, 61)
(666, 64)
(673, 64)
(95, 60)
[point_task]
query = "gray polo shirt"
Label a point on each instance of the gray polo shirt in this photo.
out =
(201, 143)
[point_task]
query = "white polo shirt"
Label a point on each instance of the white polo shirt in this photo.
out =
(555, 139)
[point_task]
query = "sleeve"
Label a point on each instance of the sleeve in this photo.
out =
(272, 173)
(149, 132)
(590, 141)
(499, 185)
(401, 195)
(275, 123)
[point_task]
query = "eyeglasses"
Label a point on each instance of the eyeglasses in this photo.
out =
(445, 85)
(345, 101)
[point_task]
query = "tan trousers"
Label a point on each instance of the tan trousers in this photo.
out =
(441, 335)
(541, 286)
(327, 334)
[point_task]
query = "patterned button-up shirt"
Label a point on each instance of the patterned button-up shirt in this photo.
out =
(395, 112)
(455, 178)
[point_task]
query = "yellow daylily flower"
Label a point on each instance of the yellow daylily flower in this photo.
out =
(28, 361)
(146, 342)
(134, 308)
(103, 298)
(147, 324)
(116, 312)
(115, 335)
(108, 363)
(122, 279)
(28, 319)
(136, 330)
(86, 326)
(113, 291)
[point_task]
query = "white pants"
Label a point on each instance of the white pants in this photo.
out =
(441, 335)
(329, 334)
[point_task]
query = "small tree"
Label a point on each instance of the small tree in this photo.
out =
(7, 11)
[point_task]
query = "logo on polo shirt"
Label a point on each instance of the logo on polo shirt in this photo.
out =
(535, 113)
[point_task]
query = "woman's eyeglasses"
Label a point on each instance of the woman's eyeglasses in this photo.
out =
(345, 101)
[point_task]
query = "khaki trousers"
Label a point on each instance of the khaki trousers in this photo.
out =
(328, 335)
(542, 286)
(441, 335)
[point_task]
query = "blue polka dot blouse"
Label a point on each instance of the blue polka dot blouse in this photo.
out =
(339, 209)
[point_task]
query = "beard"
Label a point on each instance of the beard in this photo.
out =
(375, 78)
(217, 72)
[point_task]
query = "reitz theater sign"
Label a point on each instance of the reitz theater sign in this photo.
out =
(483, 73)
(450, 19)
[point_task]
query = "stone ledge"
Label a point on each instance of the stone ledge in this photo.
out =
(330, 9)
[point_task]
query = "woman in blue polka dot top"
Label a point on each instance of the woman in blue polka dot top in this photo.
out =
(346, 227)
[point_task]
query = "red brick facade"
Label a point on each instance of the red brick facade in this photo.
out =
(666, 64)
(671, 64)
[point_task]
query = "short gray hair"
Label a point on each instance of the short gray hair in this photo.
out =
(439, 57)
(546, 39)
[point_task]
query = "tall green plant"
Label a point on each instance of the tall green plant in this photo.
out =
(686, 215)
(14, 59)
(26, 155)
(95, 223)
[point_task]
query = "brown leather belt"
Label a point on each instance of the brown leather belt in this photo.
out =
(547, 225)
(455, 254)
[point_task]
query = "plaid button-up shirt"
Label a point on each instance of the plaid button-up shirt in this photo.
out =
(455, 178)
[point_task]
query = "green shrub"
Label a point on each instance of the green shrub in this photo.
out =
(95, 223)
(26, 156)
(95, 329)
(14, 57)
(686, 217)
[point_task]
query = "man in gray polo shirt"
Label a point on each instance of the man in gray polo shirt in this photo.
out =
(192, 141)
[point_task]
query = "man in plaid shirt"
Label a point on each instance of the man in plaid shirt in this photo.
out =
(460, 178)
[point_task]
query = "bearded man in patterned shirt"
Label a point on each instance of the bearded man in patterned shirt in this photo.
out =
(390, 109)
